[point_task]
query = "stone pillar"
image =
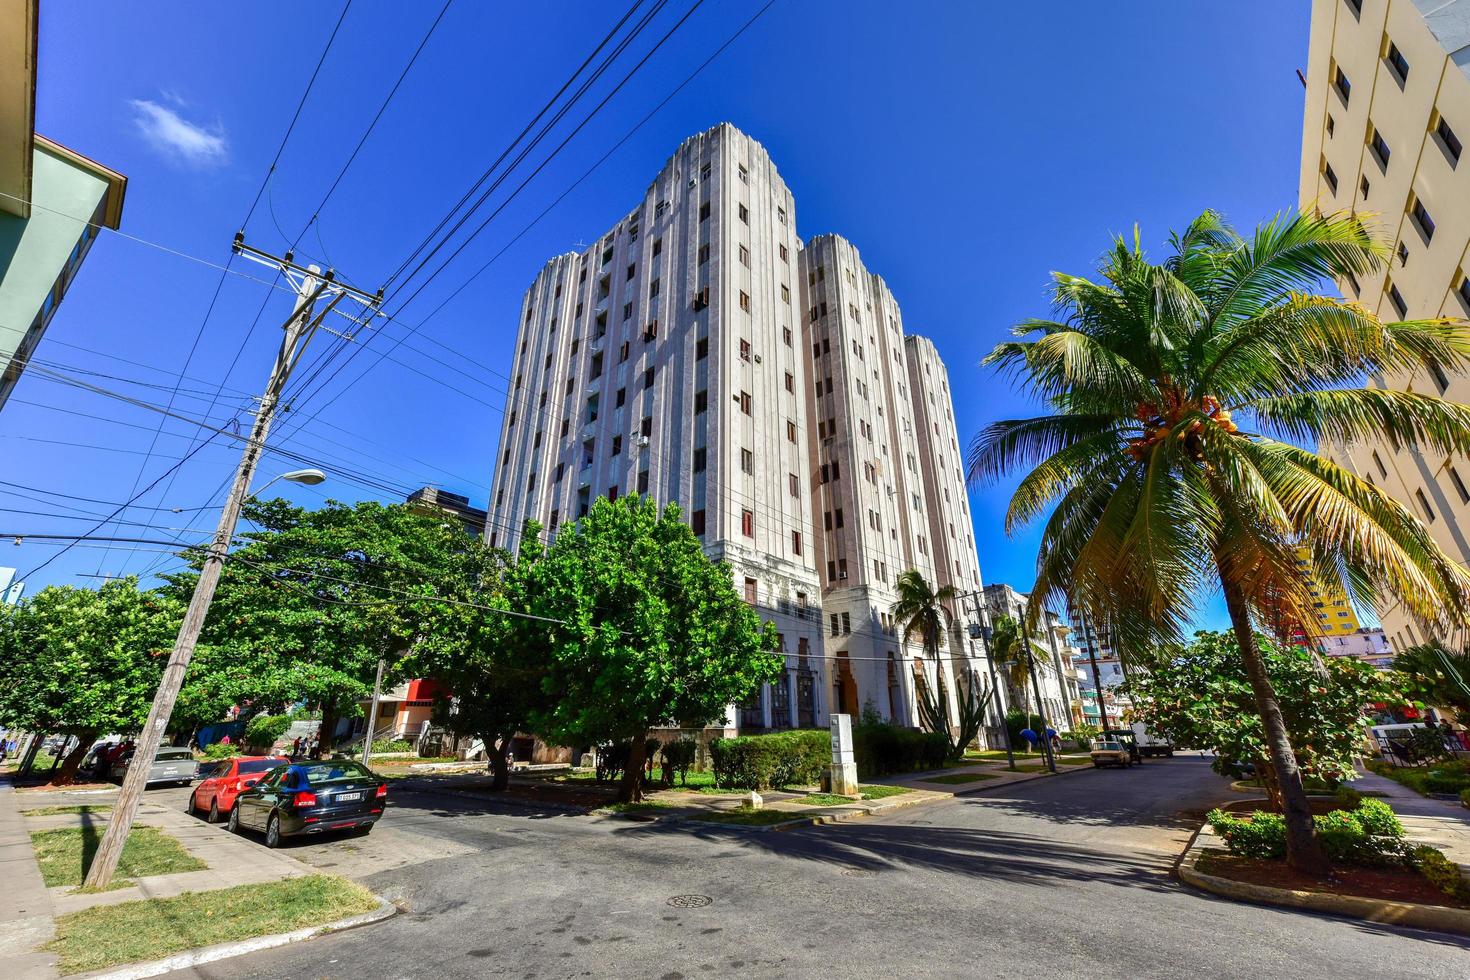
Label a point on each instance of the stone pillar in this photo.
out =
(842, 774)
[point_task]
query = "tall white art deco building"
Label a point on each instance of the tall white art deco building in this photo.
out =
(698, 354)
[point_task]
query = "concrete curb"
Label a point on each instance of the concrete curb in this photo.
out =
(1407, 914)
(222, 951)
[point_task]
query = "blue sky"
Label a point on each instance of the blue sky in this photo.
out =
(967, 149)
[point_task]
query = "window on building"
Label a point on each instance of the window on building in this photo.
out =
(701, 401)
(1363, 186)
(832, 573)
(617, 447)
(1341, 83)
(646, 429)
(1440, 380)
(648, 378)
(846, 624)
(1330, 125)
(796, 542)
(658, 246)
(744, 255)
(747, 523)
(642, 481)
(1380, 149)
(1448, 142)
(1422, 219)
(1403, 254)
(750, 590)
(795, 484)
(1397, 299)
(1424, 507)
(790, 431)
(747, 462)
(700, 456)
(701, 348)
(1460, 487)
(745, 301)
(627, 311)
(612, 492)
(743, 212)
(704, 211)
(785, 293)
(1378, 462)
(1330, 176)
(632, 270)
(783, 253)
(790, 382)
(781, 215)
(745, 403)
(696, 522)
(1397, 62)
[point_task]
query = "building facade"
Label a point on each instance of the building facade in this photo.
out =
(53, 203)
(1387, 109)
(697, 353)
(1056, 676)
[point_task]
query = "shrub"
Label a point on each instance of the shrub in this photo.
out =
(1017, 721)
(392, 745)
(262, 731)
(1443, 873)
(1370, 834)
(883, 749)
(1084, 733)
(219, 750)
(1465, 796)
(778, 759)
(1348, 796)
(678, 757)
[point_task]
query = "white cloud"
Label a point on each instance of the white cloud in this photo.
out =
(174, 136)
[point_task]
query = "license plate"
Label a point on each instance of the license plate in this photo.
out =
(348, 797)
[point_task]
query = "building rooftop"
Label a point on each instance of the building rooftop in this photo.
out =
(1449, 21)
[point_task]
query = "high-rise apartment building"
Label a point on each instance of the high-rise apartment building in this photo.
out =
(1387, 109)
(697, 353)
(1055, 675)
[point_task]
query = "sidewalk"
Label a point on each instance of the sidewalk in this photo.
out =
(1439, 823)
(29, 909)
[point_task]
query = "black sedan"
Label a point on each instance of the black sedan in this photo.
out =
(311, 798)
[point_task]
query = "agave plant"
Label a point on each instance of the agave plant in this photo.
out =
(1176, 458)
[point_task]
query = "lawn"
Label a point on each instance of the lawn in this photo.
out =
(986, 754)
(106, 935)
(882, 792)
(823, 799)
(48, 811)
(65, 855)
(745, 816)
(955, 778)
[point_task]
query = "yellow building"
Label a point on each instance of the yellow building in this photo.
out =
(1387, 114)
(1335, 615)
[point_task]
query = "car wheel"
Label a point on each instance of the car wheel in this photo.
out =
(213, 811)
(190, 806)
(273, 832)
(1097, 765)
(234, 825)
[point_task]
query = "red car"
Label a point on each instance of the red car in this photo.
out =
(218, 783)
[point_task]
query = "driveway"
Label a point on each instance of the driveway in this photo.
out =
(1060, 878)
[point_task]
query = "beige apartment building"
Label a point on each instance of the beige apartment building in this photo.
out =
(699, 354)
(1387, 109)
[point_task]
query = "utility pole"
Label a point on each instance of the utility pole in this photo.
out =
(309, 285)
(367, 744)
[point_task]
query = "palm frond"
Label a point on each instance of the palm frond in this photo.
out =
(1359, 414)
(1003, 446)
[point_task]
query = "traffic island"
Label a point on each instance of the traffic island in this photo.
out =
(1400, 897)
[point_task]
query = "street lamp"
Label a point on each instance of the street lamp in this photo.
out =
(307, 477)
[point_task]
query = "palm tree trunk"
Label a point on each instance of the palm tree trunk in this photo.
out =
(1303, 852)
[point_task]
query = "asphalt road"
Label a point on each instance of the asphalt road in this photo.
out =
(1058, 878)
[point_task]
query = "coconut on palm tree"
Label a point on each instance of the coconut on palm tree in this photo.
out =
(1180, 397)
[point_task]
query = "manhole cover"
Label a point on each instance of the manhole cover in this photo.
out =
(690, 901)
(858, 873)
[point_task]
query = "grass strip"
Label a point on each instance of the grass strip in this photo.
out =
(83, 808)
(955, 778)
(882, 792)
(66, 854)
(823, 799)
(643, 807)
(746, 816)
(106, 935)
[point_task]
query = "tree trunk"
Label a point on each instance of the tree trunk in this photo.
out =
(630, 790)
(73, 761)
(326, 730)
(1303, 852)
(500, 769)
(1102, 711)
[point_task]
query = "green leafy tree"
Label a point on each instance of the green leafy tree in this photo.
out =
(481, 649)
(1200, 696)
(1179, 396)
(647, 631)
(313, 599)
(83, 662)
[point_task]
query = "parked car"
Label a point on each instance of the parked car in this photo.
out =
(219, 783)
(310, 798)
(170, 765)
(1129, 740)
(1108, 752)
(1151, 745)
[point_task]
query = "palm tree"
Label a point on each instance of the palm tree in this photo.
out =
(924, 614)
(1180, 396)
(1009, 643)
(1438, 675)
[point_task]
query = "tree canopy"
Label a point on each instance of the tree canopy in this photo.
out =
(645, 629)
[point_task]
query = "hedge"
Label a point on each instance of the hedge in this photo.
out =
(1368, 835)
(794, 758)
(885, 749)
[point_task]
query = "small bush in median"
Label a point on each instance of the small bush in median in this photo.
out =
(778, 759)
(1443, 873)
(1368, 835)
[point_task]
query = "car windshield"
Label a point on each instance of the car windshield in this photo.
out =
(172, 755)
(258, 765)
(335, 772)
(1108, 746)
